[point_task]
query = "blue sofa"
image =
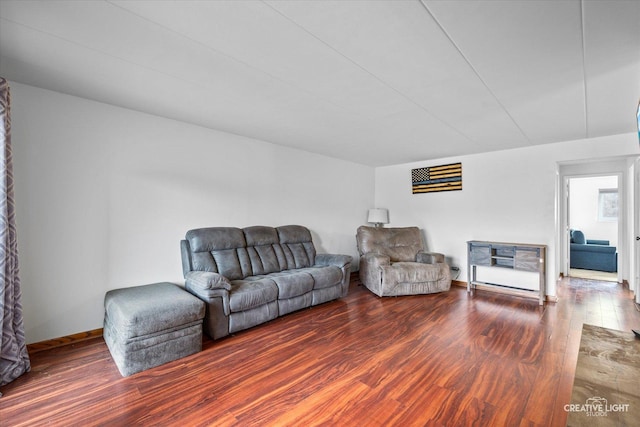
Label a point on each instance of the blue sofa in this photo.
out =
(592, 254)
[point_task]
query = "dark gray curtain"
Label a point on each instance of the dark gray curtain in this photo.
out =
(14, 359)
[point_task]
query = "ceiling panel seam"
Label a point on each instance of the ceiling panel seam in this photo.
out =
(190, 82)
(475, 71)
(83, 46)
(226, 55)
(380, 80)
(584, 71)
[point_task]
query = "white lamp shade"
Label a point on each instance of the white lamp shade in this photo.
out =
(378, 216)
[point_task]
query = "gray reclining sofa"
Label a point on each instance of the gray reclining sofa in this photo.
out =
(252, 275)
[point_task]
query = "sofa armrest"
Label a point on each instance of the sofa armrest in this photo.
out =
(207, 280)
(429, 257)
(598, 242)
(213, 297)
(333, 259)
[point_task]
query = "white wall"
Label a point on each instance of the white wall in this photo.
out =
(104, 195)
(584, 194)
(508, 196)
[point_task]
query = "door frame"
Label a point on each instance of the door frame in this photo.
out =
(622, 252)
(634, 282)
(620, 166)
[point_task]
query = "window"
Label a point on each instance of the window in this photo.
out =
(608, 204)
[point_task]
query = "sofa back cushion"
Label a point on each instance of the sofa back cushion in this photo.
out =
(399, 244)
(297, 246)
(238, 253)
(577, 236)
(220, 250)
(263, 249)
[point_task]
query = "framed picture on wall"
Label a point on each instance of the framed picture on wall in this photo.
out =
(608, 204)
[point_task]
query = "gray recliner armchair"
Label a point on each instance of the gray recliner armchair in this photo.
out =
(393, 262)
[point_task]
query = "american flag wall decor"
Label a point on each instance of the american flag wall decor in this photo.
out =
(437, 178)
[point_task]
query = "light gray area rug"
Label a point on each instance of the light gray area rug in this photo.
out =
(606, 387)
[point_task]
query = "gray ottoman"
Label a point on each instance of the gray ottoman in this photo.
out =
(147, 326)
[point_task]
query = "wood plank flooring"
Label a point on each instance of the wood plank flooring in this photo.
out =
(446, 359)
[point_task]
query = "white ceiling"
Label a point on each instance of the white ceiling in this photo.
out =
(375, 82)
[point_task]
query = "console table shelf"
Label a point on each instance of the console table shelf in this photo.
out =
(514, 256)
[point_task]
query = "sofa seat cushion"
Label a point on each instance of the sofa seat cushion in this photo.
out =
(324, 277)
(413, 272)
(251, 292)
(292, 283)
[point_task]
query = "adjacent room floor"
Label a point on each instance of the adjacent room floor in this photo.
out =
(602, 276)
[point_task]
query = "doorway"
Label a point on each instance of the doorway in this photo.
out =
(627, 169)
(593, 222)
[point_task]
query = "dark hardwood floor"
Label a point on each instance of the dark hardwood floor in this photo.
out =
(436, 360)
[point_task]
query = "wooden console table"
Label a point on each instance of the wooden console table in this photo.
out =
(515, 256)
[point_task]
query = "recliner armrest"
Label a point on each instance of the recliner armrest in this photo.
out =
(207, 280)
(333, 259)
(429, 257)
(375, 259)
